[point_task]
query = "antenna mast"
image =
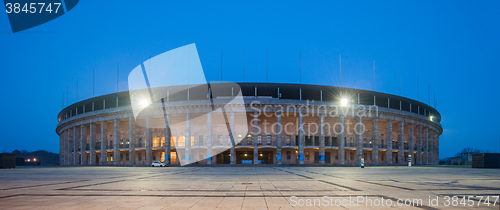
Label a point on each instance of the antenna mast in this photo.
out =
(243, 65)
(429, 94)
(221, 66)
(300, 67)
(117, 75)
(340, 65)
(399, 81)
(373, 75)
(266, 67)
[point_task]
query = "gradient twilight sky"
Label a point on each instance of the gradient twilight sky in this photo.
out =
(452, 45)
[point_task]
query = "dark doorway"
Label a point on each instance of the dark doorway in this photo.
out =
(224, 158)
(265, 157)
(244, 157)
(327, 157)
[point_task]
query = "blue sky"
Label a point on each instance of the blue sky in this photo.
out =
(452, 45)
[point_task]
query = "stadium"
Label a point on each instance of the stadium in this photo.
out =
(274, 123)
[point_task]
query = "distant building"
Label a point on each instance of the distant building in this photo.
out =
(7, 160)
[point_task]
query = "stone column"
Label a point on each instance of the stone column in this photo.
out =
(341, 140)
(61, 148)
(83, 145)
(187, 155)
(149, 151)
(255, 146)
(231, 136)
(388, 139)
(322, 139)
(168, 138)
(419, 144)
(359, 137)
(375, 141)
(116, 142)
(64, 147)
(437, 147)
(104, 143)
(68, 147)
(426, 154)
(92, 134)
(75, 145)
(209, 138)
(431, 147)
(301, 137)
(412, 143)
(401, 142)
(131, 141)
(278, 137)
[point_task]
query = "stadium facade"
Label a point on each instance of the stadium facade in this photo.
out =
(284, 124)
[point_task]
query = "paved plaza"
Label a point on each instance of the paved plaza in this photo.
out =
(246, 187)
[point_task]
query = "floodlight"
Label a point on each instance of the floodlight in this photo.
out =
(344, 102)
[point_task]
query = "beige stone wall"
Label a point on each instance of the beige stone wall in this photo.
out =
(198, 132)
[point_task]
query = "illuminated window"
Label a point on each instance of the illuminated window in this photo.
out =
(172, 141)
(173, 157)
(156, 141)
(181, 141)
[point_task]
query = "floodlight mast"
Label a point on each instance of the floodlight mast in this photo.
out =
(168, 132)
(228, 123)
(340, 73)
(224, 114)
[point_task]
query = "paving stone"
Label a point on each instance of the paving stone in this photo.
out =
(237, 187)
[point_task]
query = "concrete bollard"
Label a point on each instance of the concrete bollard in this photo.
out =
(409, 160)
